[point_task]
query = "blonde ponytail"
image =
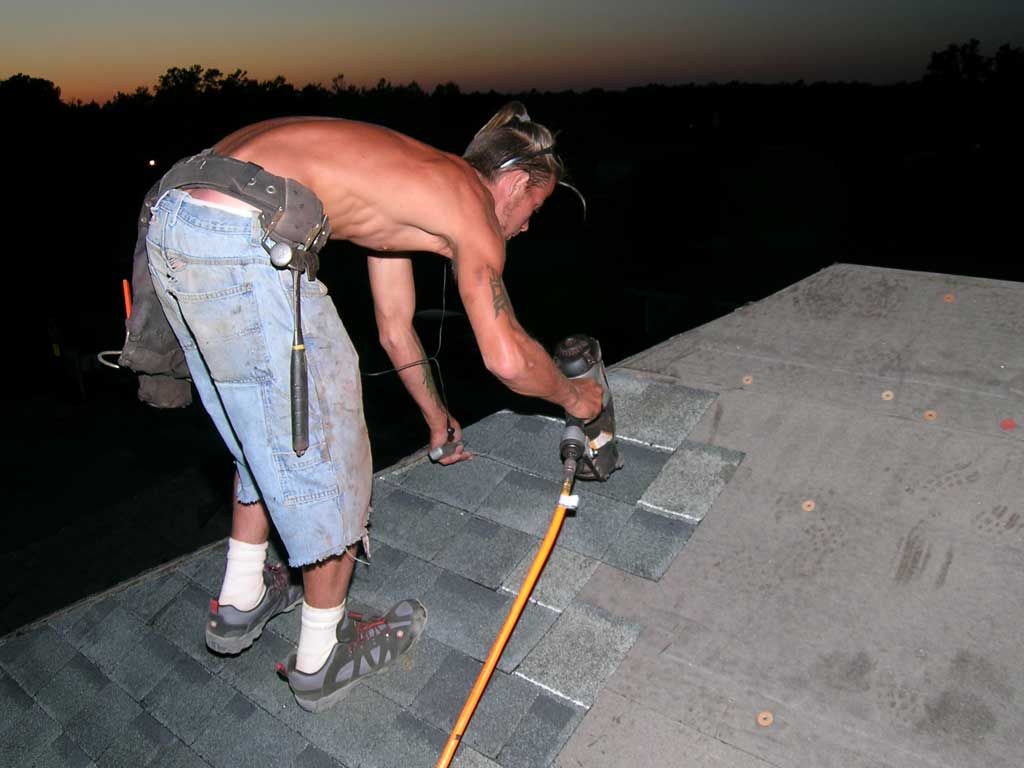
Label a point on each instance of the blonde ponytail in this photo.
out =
(510, 140)
(514, 110)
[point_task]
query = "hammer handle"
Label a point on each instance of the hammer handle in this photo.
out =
(300, 400)
(299, 379)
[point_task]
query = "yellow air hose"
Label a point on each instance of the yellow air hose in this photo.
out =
(565, 502)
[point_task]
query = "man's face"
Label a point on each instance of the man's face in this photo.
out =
(519, 203)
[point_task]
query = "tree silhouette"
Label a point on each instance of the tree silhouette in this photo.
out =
(31, 95)
(1008, 65)
(959, 64)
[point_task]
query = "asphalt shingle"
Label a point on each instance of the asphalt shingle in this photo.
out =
(541, 733)
(563, 577)
(482, 436)
(485, 552)
(461, 485)
(353, 731)
(527, 503)
(254, 672)
(67, 693)
(207, 569)
(416, 525)
(62, 752)
(692, 480)
(532, 445)
(142, 741)
(178, 755)
(648, 544)
(595, 523)
(463, 614)
(183, 623)
(244, 734)
(14, 702)
(642, 465)
(102, 720)
(408, 741)
(467, 616)
(534, 623)
(522, 502)
(286, 625)
(29, 736)
(369, 576)
(108, 641)
(656, 409)
(148, 596)
(84, 621)
(144, 664)
(412, 578)
(311, 757)
(580, 652)
(34, 657)
(467, 757)
(403, 682)
(65, 621)
(188, 699)
(381, 490)
(503, 704)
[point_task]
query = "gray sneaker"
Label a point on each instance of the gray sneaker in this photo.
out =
(363, 647)
(229, 630)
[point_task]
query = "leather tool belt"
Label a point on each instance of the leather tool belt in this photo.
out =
(289, 212)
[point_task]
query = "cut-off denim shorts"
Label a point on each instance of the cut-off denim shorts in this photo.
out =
(231, 310)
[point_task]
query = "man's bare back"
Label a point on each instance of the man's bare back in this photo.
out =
(380, 189)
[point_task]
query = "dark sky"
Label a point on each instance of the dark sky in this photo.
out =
(93, 48)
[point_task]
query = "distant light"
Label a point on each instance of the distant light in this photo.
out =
(152, 163)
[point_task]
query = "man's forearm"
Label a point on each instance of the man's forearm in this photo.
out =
(404, 348)
(531, 372)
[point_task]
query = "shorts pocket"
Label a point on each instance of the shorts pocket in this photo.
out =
(307, 478)
(227, 330)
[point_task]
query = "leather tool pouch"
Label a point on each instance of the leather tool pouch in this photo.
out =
(290, 214)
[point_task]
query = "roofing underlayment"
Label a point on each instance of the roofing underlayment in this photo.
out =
(813, 557)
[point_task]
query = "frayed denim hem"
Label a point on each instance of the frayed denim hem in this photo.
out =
(246, 491)
(299, 563)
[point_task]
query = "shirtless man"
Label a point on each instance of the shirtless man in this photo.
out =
(230, 309)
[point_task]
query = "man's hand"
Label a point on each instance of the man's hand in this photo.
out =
(439, 437)
(589, 397)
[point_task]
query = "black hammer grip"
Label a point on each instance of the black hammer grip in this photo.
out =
(299, 380)
(300, 400)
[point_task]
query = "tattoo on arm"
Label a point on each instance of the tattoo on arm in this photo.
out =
(499, 297)
(428, 378)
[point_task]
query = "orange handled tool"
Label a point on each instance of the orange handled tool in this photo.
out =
(127, 291)
(565, 502)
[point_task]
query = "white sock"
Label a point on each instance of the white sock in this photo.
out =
(317, 636)
(243, 578)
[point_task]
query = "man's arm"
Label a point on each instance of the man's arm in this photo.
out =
(394, 301)
(519, 361)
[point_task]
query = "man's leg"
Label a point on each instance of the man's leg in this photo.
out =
(326, 584)
(251, 593)
(249, 521)
(243, 585)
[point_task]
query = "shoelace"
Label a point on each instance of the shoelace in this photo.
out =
(366, 630)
